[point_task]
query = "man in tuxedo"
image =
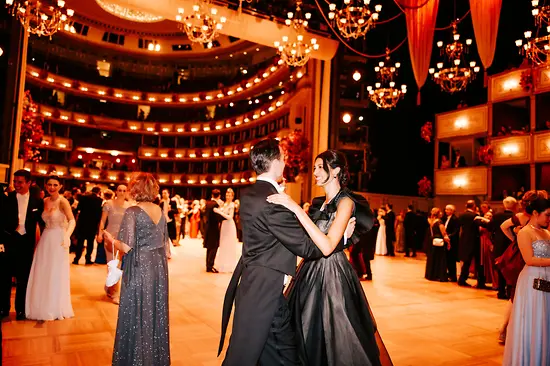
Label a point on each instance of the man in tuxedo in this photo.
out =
(363, 252)
(89, 215)
(170, 210)
(212, 231)
(500, 241)
(452, 226)
(469, 247)
(390, 229)
(22, 212)
(409, 223)
(272, 238)
(460, 161)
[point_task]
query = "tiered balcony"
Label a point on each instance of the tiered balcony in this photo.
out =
(56, 143)
(463, 122)
(461, 181)
(512, 150)
(507, 86)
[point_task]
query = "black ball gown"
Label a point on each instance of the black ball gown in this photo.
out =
(330, 312)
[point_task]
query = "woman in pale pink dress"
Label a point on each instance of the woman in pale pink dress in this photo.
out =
(227, 257)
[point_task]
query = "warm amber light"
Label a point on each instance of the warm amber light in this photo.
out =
(510, 149)
(461, 123)
(459, 182)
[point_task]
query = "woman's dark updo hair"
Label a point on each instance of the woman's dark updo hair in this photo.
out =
(335, 159)
(54, 177)
(540, 205)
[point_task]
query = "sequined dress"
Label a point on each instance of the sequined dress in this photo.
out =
(49, 287)
(142, 334)
(330, 312)
(528, 334)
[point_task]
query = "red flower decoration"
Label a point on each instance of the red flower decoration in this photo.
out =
(526, 80)
(425, 187)
(296, 146)
(31, 130)
(426, 132)
(485, 154)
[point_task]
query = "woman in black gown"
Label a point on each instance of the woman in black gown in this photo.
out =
(439, 243)
(330, 312)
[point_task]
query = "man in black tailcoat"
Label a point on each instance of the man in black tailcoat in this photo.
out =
(452, 226)
(363, 252)
(409, 224)
(390, 229)
(272, 238)
(21, 214)
(87, 224)
(500, 240)
(469, 247)
(212, 231)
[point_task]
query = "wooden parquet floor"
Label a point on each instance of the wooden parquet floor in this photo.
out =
(422, 323)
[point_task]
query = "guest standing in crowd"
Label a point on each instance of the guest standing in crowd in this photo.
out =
(436, 263)
(113, 212)
(212, 231)
(194, 220)
(528, 335)
(49, 288)
(500, 241)
(470, 246)
(487, 256)
(89, 214)
(362, 253)
(142, 333)
(227, 258)
(409, 224)
(400, 232)
(21, 216)
(170, 210)
(381, 242)
(389, 218)
(452, 227)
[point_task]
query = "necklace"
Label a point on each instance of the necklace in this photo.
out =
(536, 228)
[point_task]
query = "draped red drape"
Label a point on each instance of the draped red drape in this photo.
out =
(421, 16)
(485, 17)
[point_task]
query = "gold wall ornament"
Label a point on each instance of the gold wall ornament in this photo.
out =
(296, 53)
(456, 76)
(355, 18)
(202, 25)
(385, 94)
(127, 13)
(41, 18)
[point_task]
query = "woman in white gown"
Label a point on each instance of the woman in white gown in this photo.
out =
(49, 289)
(227, 257)
(528, 334)
(381, 248)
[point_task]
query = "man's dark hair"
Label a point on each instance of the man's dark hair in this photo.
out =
(411, 207)
(263, 154)
(471, 205)
(390, 205)
(96, 190)
(23, 173)
(216, 193)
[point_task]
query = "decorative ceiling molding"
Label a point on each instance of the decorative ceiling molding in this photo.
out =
(129, 14)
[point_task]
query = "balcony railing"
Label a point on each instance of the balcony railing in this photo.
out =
(461, 181)
(511, 150)
(462, 122)
(56, 143)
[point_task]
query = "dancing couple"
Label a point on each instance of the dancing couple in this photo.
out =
(325, 318)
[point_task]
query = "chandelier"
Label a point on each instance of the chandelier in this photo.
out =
(384, 94)
(296, 53)
(354, 21)
(127, 13)
(537, 49)
(39, 18)
(457, 76)
(201, 26)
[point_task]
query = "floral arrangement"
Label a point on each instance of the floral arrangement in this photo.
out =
(526, 80)
(31, 130)
(426, 132)
(296, 147)
(425, 187)
(485, 154)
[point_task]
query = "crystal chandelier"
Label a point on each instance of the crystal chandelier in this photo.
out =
(457, 76)
(537, 49)
(40, 18)
(127, 13)
(354, 21)
(384, 94)
(201, 26)
(296, 53)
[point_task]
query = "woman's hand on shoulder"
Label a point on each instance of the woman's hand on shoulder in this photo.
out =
(285, 200)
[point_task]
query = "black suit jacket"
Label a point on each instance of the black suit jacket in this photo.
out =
(390, 226)
(89, 214)
(453, 231)
(500, 240)
(10, 213)
(272, 238)
(172, 211)
(213, 223)
(469, 240)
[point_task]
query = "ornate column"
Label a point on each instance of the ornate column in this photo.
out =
(12, 69)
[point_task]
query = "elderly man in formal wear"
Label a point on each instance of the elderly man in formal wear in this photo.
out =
(452, 226)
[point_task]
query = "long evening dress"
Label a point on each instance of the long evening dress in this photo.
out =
(381, 248)
(114, 219)
(330, 312)
(142, 333)
(227, 257)
(528, 334)
(436, 262)
(49, 289)
(400, 234)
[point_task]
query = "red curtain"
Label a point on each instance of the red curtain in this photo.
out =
(421, 16)
(485, 17)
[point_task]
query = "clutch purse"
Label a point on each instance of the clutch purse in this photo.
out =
(541, 284)
(114, 274)
(438, 242)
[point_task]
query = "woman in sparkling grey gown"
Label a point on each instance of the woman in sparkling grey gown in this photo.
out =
(142, 334)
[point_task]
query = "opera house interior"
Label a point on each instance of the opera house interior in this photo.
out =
(424, 121)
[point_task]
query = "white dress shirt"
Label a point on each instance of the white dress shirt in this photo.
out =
(22, 205)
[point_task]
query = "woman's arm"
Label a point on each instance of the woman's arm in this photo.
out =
(326, 243)
(506, 228)
(526, 249)
(228, 215)
(104, 214)
(66, 209)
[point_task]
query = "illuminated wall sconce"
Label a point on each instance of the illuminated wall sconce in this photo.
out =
(89, 150)
(510, 84)
(461, 123)
(510, 149)
(177, 181)
(346, 118)
(459, 182)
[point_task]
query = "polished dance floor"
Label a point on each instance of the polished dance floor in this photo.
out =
(421, 322)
